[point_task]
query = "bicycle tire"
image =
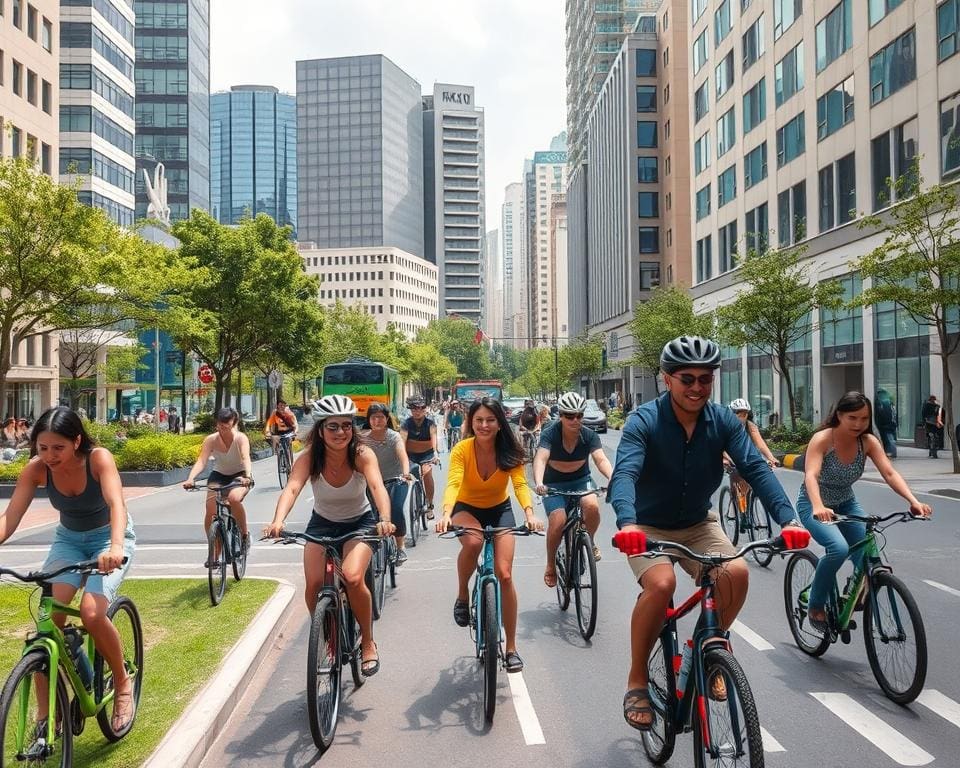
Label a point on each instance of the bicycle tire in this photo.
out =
(417, 500)
(392, 561)
(34, 662)
(560, 560)
(728, 514)
(760, 528)
(721, 661)
(797, 578)
(884, 587)
(351, 631)
(217, 568)
(123, 614)
(238, 561)
(282, 471)
(490, 649)
(374, 576)
(324, 673)
(660, 740)
(585, 593)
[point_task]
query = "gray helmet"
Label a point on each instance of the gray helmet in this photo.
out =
(571, 402)
(689, 352)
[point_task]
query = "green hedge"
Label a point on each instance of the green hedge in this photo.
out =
(10, 472)
(783, 439)
(615, 418)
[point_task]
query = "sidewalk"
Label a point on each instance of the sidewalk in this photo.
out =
(40, 513)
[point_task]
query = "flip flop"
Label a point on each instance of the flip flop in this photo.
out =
(550, 578)
(370, 667)
(632, 707)
(430, 514)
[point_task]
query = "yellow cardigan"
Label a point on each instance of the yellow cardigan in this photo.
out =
(465, 484)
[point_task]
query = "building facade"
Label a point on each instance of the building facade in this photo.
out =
(253, 154)
(388, 283)
(492, 319)
(172, 79)
(454, 215)
(359, 154)
(548, 319)
(514, 240)
(97, 120)
(800, 115)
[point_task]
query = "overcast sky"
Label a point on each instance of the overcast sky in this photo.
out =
(511, 51)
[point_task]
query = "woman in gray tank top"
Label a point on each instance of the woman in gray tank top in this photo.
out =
(834, 461)
(340, 470)
(388, 447)
(83, 484)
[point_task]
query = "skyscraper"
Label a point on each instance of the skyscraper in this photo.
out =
(253, 154)
(492, 319)
(513, 227)
(454, 215)
(173, 101)
(548, 182)
(359, 154)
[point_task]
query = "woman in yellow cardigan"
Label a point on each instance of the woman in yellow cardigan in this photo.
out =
(481, 466)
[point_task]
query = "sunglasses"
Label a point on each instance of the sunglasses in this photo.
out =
(571, 416)
(346, 426)
(687, 379)
(418, 407)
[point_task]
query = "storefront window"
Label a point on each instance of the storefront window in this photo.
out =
(902, 364)
(731, 383)
(760, 385)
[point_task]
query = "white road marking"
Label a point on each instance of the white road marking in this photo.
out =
(882, 736)
(943, 587)
(529, 722)
(750, 636)
(770, 744)
(941, 705)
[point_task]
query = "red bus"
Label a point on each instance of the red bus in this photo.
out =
(468, 391)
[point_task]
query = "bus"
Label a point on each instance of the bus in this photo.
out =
(363, 381)
(468, 391)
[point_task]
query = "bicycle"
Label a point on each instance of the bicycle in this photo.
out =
(284, 457)
(383, 563)
(418, 503)
(225, 543)
(743, 513)
(453, 438)
(334, 639)
(725, 730)
(485, 615)
(575, 563)
(874, 589)
(28, 733)
(529, 440)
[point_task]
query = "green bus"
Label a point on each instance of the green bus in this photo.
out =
(363, 381)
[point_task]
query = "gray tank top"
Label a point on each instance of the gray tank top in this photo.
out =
(85, 512)
(228, 462)
(340, 505)
(386, 453)
(837, 478)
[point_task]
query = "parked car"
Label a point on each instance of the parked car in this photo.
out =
(512, 406)
(594, 418)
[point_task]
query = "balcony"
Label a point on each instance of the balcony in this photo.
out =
(461, 172)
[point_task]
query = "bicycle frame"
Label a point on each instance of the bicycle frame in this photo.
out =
(485, 573)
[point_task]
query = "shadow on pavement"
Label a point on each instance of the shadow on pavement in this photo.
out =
(457, 692)
(623, 753)
(548, 619)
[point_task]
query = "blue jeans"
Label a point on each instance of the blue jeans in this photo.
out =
(889, 437)
(836, 540)
(397, 491)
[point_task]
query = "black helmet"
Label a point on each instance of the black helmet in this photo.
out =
(416, 402)
(689, 352)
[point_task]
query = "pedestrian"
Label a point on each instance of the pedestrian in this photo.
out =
(173, 420)
(932, 416)
(885, 416)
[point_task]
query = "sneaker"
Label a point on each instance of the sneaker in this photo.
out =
(596, 553)
(461, 613)
(401, 556)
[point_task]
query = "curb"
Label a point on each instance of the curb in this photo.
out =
(187, 741)
(792, 461)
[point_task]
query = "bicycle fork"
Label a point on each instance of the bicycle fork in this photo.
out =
(485, 574)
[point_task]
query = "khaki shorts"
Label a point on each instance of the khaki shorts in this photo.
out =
(703, 538)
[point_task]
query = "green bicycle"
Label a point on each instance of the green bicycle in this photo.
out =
(892, 625)
(28, 734)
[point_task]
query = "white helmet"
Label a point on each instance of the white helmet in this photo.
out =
(334, 405)
(571, 402)
(741, 405)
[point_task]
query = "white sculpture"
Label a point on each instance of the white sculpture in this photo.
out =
(157, 193)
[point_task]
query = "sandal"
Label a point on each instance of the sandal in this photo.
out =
(461, 613)
(430, 514)
(512, 662)
(632, 706)
(596, 553)
(550, 578)
(718, 688)
(123, 710)
(370, 667)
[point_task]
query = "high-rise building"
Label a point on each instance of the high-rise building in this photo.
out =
(454, 215)
(492, 319)
(173, 101)
(359, 154)
(548, 179)
(253, 154)
(514, 239)
(97, 91)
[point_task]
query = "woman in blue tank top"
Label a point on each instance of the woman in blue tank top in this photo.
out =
(83, 485)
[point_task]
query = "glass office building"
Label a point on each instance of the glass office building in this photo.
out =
(253, 154)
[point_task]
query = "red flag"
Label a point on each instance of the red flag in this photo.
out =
(478, 336)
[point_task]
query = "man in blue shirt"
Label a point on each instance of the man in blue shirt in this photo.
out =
(669, 464)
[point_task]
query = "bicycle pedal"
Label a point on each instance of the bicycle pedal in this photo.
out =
(845, 637)
(851, 625)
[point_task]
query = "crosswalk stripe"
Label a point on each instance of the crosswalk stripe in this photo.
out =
(770, 744)
(941, 705)
(750, 636)
(882, 736)
(943, 587)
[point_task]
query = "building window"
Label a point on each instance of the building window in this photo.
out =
(846, 189)
(18, 14)
(904, 143)
(948, 23)
(703, 202)
(16, 142)
(666, 93)
(647, 170)
(724, 73)
(46, 36)
(704, 260)
(755, 166)
(835, 109)
(721, 21)
(648, 205)
(666, 130)
(753, 44)
(665, 21)
(649, 239)
(45, 163)
(32, 22)
(646, 98)
(701, 101)
(893, 67)
(950, 135)
(649, 275)
(834, 34)
(756, 230)
(792, 215)
(646, 134)
(700, 52)
(755, 106)
(646, 62)
(666, 57)
(726, 132)
(17, 78)
(880, 8)
(790, 142)
(785, 12)
(727, 186)
(825, 182)
(32, 87)
(788, 75)
(727, 247)
(45, 97)
(698, 7)
(701, 153)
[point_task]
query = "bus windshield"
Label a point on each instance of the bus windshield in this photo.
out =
(354, 373)
(467, 393)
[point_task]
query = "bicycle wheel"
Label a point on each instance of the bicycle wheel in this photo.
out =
(660, 740)
(323, 673)
(283, 464)
(351, 630)
(728, 514)
(585, 585)
(560, 560)
(733, 725)
(239, 552)
(796, 588)
(490, 649)
(760, 528)
(216, 562)
(125, 618)
(376, 570)
(895, 638)
(417, 500)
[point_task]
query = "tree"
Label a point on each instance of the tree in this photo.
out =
(349, 332)
(454, 338)
(429, 369)
(667, 315)
(776, 310)
(917, 267)
(583, 357)
(506, 362)
(542, 376)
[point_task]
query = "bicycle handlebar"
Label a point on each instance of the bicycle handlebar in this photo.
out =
(199, 485)
(294, 537)
(636, 543)
(897, 517)
(574, 494)
(456, 531)
(38, 577)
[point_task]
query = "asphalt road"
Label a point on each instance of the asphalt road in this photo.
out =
(424, 707)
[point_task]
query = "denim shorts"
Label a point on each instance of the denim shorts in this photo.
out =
(75, 546)
(424, 457)
(553, 503)
(321, 527)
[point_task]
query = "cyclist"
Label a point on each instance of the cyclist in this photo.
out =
(669, 464)
(476, 496)
(281, 423)
(529, 422)
(83, 485)
(563, 461)
(340, 470)
(453, 421)
(386, 444)
(419, 434)
(742, 410)
(835, 459)
(230, 450)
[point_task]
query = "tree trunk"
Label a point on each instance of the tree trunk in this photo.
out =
(948, 406)
(791, 398)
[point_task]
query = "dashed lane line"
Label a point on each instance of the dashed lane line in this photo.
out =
(750, 636)
(941, 705)
(526, 714)
(943, 587)
(770, 744)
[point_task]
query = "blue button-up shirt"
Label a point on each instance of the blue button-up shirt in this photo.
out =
(664, 480)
